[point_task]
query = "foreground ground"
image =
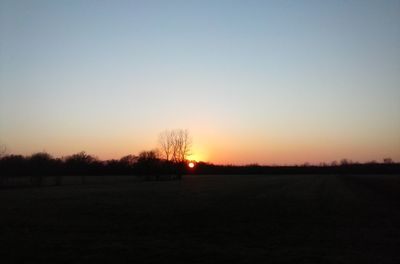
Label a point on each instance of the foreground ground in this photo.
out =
(206, 219)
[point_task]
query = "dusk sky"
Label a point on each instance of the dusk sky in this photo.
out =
(272, 82)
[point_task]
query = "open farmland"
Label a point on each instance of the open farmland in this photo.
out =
(206, 219)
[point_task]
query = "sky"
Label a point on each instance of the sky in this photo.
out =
(268, 82)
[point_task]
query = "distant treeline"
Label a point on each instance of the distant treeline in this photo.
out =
(348, 168)
(150, 166)
(40, 165)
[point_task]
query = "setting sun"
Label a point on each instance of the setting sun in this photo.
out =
(191, 165)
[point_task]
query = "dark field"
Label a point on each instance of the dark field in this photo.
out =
(205, 219)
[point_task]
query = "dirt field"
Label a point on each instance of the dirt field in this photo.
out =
(206, 219)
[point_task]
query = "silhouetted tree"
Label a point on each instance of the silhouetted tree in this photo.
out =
(148, 164)
(344, 162)
(128, 161)
(80, 163)
(2, 154)
(146, 156)
(13, 165)
(175, 145)
(41, 165)
(165, 140)
(3, 151)
(388, 161)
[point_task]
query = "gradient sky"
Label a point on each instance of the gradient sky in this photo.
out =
(273, 82)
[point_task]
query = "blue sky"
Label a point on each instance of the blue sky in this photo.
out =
(253, 81)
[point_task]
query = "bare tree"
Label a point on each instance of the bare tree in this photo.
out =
(165, 140)
(3, 150)
(175, 145)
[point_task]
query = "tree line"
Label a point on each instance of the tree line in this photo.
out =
(372, 167)
(38, 166)
(169, 161)
(151, 165)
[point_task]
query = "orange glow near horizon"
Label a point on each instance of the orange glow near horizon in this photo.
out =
(212, 144)
(196, 157)
(199, 154)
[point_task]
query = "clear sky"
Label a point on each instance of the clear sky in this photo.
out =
(253, 81)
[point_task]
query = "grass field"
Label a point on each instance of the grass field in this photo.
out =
(205, 219)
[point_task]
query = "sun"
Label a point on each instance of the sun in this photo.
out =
(191, 165)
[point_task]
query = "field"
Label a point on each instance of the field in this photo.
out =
(205, 219)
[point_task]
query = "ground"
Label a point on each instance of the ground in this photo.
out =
(206, 219)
